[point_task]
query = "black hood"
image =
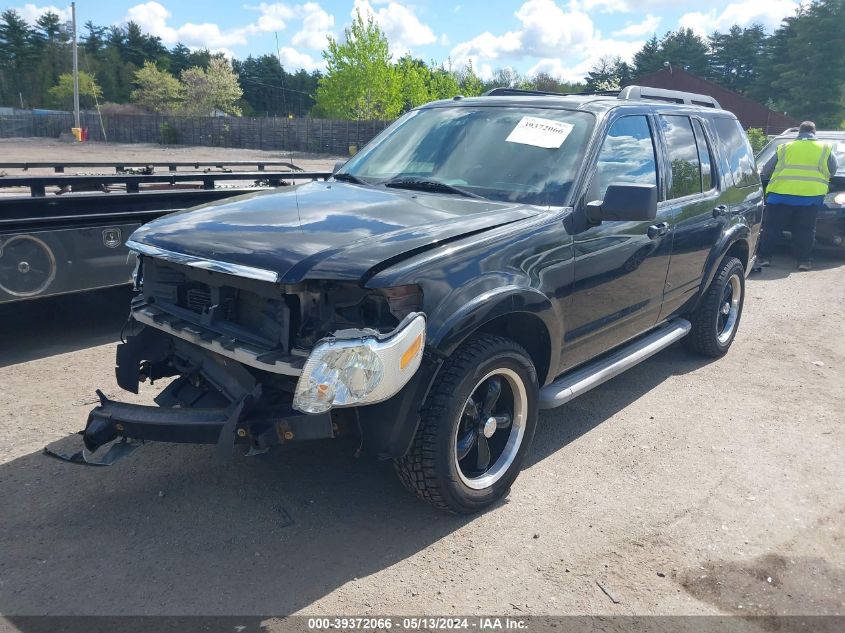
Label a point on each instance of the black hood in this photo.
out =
(323, 230)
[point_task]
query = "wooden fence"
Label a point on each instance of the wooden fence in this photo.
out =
(303, 135)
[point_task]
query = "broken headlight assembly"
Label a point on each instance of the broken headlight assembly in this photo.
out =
(358, 367)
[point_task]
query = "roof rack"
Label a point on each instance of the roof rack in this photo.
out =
(635, 93)
(628, 93)
(515, 92)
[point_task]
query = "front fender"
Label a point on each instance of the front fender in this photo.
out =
(451, 327)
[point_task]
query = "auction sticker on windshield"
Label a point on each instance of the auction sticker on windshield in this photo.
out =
(540, 132)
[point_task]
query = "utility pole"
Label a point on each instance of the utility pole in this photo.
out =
(75, 67)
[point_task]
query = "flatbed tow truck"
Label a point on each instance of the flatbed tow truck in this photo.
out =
(62, 233)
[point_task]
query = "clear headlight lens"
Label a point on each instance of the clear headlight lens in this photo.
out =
(365, 370)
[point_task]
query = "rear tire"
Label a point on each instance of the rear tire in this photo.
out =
(476, 427)
(716, 319)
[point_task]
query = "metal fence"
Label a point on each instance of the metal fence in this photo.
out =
(303, 135)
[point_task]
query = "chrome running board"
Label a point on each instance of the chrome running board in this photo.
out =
(581, 380)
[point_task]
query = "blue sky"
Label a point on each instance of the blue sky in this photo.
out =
(564, 38)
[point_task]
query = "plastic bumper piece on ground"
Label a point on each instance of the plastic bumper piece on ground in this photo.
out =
(236, 423)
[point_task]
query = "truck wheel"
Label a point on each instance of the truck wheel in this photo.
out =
(477, 425)
(716, 319)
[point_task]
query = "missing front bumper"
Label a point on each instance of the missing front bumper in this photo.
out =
(239, 423)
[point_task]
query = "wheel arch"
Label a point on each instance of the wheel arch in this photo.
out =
(524, 315)
(733, 243)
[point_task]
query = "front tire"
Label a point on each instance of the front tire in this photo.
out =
(716, 319)
(476, 427)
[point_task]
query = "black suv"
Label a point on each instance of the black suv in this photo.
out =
(480, 260)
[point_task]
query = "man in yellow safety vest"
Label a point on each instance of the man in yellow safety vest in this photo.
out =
(798, 175)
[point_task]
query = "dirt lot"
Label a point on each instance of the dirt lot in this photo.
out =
(681, 487)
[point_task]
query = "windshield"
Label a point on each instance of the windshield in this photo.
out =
(838, 151)
(509, 154)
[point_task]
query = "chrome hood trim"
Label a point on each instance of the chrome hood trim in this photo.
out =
(206, 264)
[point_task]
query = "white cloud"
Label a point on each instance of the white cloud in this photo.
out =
(153, 18)
(403, 28)
(546, 31)
(638, 29)
(317, 25)
(576, 71)
(622, 6)
(31, 12)
(769, 13)
(273, 17)
(292, 58)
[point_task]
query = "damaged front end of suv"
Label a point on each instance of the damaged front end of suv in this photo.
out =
(254, 361)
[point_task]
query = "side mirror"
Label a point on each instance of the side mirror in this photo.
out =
(625, 202)
(337, 166)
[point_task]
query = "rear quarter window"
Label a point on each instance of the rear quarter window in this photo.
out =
(736, 150)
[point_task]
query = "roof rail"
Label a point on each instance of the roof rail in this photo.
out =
(628, 93)
(515, 92)
(636, 93)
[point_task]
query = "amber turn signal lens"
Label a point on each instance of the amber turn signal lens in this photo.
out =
(409, 354)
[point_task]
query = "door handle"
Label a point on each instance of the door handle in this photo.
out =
(721, 210)
(657, 230)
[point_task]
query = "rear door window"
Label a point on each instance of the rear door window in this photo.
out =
(703, 156)
(682, 153)
(626, 156)
(737, 151)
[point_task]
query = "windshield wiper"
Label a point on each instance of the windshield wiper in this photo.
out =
(409, 182)
(344, 177)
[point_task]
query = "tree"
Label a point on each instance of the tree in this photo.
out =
(757, 138)
(471, 84)
(610, 73)
(360, 80)
(213, 89)
(685, 49)
(443, 83)
(807, 63)
(681, 48)
(17, 53)
(647, 59)
(157, 90)
(734, 57)
(62, 92)
(545, 82)
(414, 79)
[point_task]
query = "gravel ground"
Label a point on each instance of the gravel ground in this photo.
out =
(681, 487)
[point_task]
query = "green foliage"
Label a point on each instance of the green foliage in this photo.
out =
(735, 56)
(610, 73)
(62, 92)
(799, 69)
(808, 63)
(681, 48)
(157, 90)
(269, 89)
(471, 84)
(168, 134)
(443, 83)
(361, 82)
(414, 79)
(216, 88)
(757, 138)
